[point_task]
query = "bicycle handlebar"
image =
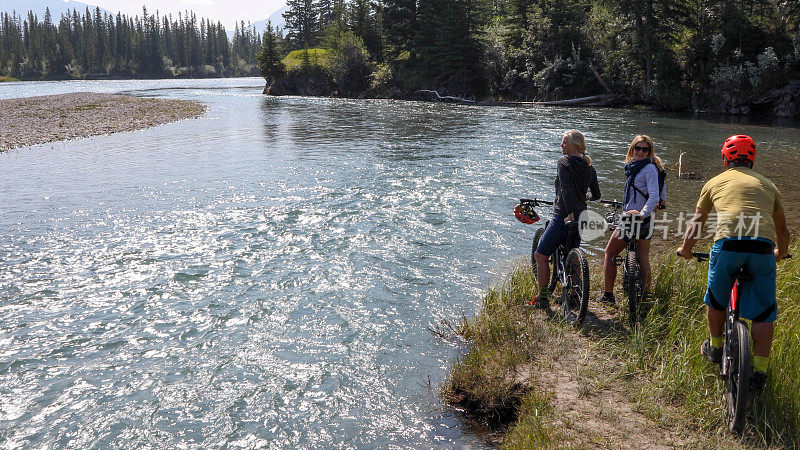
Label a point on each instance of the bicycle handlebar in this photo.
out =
(535, 201)
(697, 255)
(613, 203)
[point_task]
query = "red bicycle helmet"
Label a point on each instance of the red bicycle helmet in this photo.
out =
(526, 214)
(739, 146)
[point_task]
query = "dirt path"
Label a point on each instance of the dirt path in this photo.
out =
(594, 396)
(592, 399)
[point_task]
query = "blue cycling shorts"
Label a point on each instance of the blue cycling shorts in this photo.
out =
(555, 233)
(758, 296)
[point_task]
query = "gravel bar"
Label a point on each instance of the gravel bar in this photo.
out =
(37, 120)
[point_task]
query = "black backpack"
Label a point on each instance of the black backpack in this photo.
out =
(662, 180)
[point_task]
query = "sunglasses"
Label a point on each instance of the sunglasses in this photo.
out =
(641, 149)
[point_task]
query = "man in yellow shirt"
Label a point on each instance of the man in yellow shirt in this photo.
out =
(750, 222)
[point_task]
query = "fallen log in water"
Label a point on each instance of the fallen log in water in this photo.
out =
(443, 98)
(594, 100)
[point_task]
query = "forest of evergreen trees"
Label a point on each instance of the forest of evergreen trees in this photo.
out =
(92, 45)
(674, 54)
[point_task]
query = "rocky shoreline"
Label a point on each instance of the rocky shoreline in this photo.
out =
(38, 120)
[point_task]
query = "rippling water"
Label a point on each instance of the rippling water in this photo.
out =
(267, 275)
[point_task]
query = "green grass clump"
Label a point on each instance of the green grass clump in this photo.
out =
(489, 380)
(4, 78)
(316, 57)
(666, 351)
(534, 428)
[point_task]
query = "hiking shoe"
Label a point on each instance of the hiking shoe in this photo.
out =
(608, 299)
(758, 381)
(539, 302)
(712, 354)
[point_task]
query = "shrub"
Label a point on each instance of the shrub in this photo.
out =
(349, 65)
(768, 66)
(728, 78)
(382, 82)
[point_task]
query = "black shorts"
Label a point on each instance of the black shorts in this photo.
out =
(634, 226)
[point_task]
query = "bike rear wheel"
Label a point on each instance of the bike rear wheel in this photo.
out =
(536, 238)
(739, 371)
(633, 287)
(575, 293)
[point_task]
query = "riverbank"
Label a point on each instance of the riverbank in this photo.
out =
(5, 79)
(541, 383)
(779, 102)
(38, 120)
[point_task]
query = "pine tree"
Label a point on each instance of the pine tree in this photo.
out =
(269, 62)
(399, 28)
(302, 24)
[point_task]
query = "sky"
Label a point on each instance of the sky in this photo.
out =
(225, 11)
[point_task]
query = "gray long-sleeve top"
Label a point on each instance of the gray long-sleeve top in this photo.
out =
(575, 177)
(646, 181)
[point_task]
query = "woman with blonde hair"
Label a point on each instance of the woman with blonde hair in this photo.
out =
(575, 175)
(642, 196)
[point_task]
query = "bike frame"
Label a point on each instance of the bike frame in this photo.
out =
(631, 244)
(732, 314)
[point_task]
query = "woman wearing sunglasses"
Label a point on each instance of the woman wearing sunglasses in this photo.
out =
(641, 197)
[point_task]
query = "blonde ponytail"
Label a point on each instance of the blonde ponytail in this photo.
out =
(576, 137)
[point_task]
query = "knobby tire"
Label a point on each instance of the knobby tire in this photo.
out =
(575, 293)
(632, 285)
(740, 370)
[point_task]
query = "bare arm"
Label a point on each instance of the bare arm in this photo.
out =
(779, 217)
(693, 229)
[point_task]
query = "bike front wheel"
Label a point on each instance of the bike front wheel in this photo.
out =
(633, 287)
(575, 293)
(738, 382)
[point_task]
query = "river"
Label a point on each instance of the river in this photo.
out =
(268, 275)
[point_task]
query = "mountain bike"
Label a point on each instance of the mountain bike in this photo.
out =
(569, 267)
(737, 366)
(632, 279)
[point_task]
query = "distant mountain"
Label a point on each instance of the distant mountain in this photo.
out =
(276, 19)
(57, 7)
